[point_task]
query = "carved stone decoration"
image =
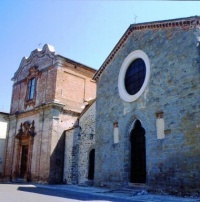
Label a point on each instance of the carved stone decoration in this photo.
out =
(29, 130)
(20, 132)
(24, 145)
(47, 50)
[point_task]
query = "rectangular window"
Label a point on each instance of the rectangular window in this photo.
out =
(116, 133)
(31, 88)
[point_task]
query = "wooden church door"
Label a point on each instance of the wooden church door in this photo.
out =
(24, 161)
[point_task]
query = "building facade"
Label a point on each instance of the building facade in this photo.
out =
(147, 108)
(3, 132)
(48, 94)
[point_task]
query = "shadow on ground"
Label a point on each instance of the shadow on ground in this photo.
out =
(68, 194)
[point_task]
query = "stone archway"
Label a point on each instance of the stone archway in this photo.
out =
(138, 154)
(24, 146)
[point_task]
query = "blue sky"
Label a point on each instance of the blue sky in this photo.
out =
(85, 31)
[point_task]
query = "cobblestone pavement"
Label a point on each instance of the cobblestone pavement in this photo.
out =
(73, 193)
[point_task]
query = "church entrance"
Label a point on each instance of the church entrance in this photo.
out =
(23, 151)
(24, 161)
(91, 165)
(138, 154)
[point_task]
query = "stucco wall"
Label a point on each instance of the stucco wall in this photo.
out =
(3, 132)
(48, 144)
(173, 162)
(3, 126)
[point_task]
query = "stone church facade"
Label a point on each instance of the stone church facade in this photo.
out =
(147, 108)
(49, 93)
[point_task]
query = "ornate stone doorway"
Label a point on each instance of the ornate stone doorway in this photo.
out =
(138, 154)
(91, 165)
(24, 146)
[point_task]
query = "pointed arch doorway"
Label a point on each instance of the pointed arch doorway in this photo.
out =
(138, 154)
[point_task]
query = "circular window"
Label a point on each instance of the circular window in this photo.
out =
(134, 76)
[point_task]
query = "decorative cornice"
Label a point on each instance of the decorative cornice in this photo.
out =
(44, 106)
(78, 64)
(35, 110)
(184, 23)
(46, 50)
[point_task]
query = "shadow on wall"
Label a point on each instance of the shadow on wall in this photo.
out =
(57, 162)
(2, 144)
(72, 139)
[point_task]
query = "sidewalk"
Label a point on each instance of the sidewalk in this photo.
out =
(122, 194)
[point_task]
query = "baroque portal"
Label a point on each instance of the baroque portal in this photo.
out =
(23, 152)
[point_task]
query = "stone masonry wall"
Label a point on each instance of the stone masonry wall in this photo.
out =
(172, 163)
(79, 141)
(71, 156)
(87, 142)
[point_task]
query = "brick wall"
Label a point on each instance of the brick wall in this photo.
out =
(74, 86)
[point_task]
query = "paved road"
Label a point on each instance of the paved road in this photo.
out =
(66, 193)
(31, 193)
